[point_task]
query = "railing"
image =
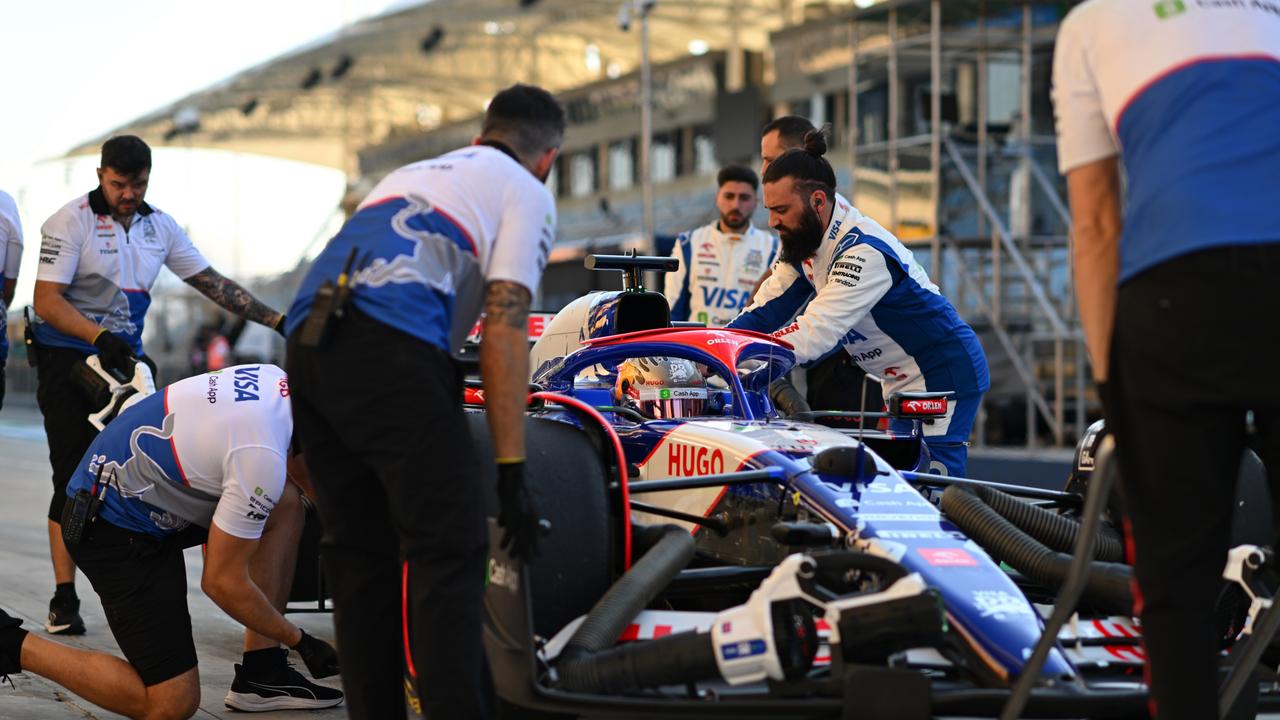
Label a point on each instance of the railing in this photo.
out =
(1004, 247)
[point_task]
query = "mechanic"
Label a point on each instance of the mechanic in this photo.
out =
(1177, 289)
(99, 256)
(203, 460)
(393, 461)
(722, 262)
(10, 259)
(834, 382)
(867, 294)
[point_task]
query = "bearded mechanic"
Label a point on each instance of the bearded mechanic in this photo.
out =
(204, 460)
(721, 262)
(866, 293)
(100, 254)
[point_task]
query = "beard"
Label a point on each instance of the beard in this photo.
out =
(734, 221)
(801, 242)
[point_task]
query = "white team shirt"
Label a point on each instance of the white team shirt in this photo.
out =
(208, 449)
(717, 272)
(109, 271)
(431, 234)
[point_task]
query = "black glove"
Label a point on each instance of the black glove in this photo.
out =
(517, 515)
(115, 354)
(320, 657)
(279, 326)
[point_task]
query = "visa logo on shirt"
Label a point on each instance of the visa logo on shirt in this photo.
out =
(246, 383)
(718, 297)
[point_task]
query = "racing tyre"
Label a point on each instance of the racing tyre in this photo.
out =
(567, 477)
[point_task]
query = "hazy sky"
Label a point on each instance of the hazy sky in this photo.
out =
(74, 69)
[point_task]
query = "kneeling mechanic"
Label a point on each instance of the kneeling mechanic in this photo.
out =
(206, 459)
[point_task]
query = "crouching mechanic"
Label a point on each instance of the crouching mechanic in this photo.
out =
(867, 294)
(204, 460)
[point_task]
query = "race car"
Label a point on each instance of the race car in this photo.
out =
(710, 557)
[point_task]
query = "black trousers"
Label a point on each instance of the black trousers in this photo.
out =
(66, 418)
(66, 410)
(836, 384)
(379, 414)
(1195, 348)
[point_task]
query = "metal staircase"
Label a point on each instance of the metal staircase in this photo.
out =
(1011, 279)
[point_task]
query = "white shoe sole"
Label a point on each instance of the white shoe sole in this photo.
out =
(250, 702)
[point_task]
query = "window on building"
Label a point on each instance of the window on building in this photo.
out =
(622, 164)
(582, 173)
(664, 157)
(704, 152)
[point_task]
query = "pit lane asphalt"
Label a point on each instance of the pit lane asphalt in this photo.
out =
(26, 583)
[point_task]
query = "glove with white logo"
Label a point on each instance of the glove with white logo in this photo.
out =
(115, 354)
(517, 515)
(320, 657)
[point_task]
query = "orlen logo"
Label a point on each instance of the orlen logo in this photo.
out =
(690, 460)
(924, 407)
(721, 341)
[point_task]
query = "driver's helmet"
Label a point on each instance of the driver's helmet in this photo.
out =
(661, 388)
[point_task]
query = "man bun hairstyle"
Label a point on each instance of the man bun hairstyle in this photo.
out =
(791, 130)
(806, 165)
(126, 154)
(738, 173)
(525, 117)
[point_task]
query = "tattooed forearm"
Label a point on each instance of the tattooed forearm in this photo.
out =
(508, 303)
(230, 296)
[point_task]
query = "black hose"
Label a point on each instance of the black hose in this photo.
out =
(1106, 585)
(584, 665)
(1056, 531)
(672, 660)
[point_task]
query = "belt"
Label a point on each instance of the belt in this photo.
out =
(107, 534)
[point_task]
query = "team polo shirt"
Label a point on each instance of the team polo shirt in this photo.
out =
(1189, 91)
(428, 238)
(10, 258)
(208, 449)
(107, 269)
(717, 272)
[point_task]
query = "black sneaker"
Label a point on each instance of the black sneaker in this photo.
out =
(8, 665)
(283, 689)
(64, 617)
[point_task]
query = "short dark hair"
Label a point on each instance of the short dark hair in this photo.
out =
(527, 118)
(126, 154)
(791, 129)
(806, 165)
(738, 173)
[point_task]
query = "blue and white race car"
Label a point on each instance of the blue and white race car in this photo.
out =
(710, 557)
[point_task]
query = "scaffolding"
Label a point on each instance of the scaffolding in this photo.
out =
(975, 192)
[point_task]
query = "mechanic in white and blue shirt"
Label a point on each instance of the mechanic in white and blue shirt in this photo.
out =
(1177, 288)
(10, 258)
(204, 460)
(843, 283)
(722, 262)
(100, 254)
(378, 402)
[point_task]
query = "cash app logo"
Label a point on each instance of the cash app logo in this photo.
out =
(1166, 9)
(664, 394)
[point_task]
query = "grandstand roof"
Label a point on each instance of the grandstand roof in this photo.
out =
(435, 63)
